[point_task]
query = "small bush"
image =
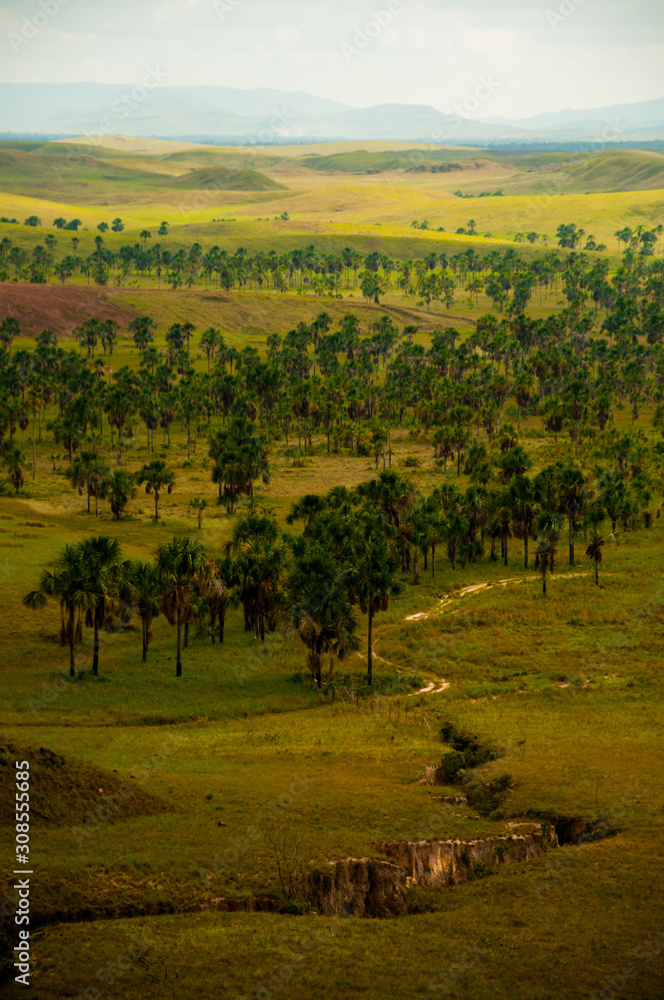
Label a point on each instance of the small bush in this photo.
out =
(296, 908)
(479, 870)
(452, 767)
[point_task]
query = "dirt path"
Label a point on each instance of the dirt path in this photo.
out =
(439, 684)
(449, 598)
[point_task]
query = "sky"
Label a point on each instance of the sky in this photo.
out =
(535, 57)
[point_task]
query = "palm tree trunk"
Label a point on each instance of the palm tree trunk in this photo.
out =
(178, 666)
(544, 577)
(186, 635)
(596, 573)
(156, 505)
(389, 439)
(145, 637)
(433, 562)
(72, 640)
(95, 654)
(370, 647)
(525, 552)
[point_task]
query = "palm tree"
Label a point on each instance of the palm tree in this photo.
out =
(548, 535)
(68, 583)
(319, 610)
(515, 463)
(254, 461)
(373, 581)
(146, 593)
(594, 551)
(257, 569)
(118, 488)
(104, 573)
(178, 565)
(13, 459)
(215, 577)
(142, 327)
(156, 475)
(199, 507)
(88, 470)
(394, 495)
(521, 502)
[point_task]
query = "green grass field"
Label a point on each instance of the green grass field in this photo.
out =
(568, 688)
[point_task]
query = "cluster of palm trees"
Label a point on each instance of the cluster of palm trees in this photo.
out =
(91, 473)
(575, 371)
(95, 585)
(354, 550)
(437, 276)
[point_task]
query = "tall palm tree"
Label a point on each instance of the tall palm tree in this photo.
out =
(13, 459)
(146, 593)
(521, 502)
(157, 476)
(68, 583)
(255, 465)
(215, 579)
(373, 582)
(319, 610)
(88, 470)
(105, 573)
(258, 566)
(594, 551)
(548, 534)
(178, 564)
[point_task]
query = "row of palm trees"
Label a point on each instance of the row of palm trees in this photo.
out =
(351, 548)
(331, 380)
(91, 473)
(508, 278)
(94, 585)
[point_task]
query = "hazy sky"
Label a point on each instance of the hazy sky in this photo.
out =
(539, 57)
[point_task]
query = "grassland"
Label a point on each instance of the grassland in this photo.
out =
(568, 688)
(329, 193)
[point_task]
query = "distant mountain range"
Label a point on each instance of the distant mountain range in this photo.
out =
(266, 116)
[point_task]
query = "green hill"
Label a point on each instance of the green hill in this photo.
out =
(223, 179)
(362, 161)
(619, 170)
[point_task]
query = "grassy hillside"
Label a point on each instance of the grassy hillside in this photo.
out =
(342, 194)
(236, 180)
(153, 876)
(578, 720)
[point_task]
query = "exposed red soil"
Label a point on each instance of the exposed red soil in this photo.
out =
(57, 308)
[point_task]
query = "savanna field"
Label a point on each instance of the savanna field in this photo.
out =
(368, 390)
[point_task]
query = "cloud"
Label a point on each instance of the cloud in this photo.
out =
(433, 53)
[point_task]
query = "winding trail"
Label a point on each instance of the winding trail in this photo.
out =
(439, 684)
(448, 598)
